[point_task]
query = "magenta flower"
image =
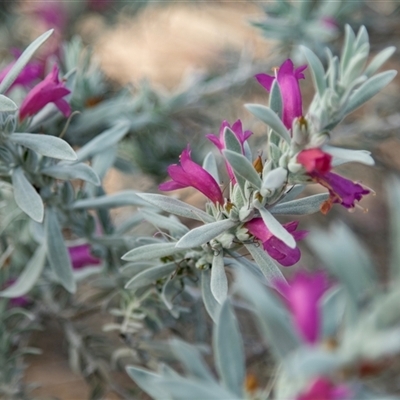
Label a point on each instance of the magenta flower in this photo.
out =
(30, 73)
(52, 13)
(241, 136)
(50, 90)
(324, 389)
(277, 249)
(302, 297)
(191, 174)
(81, 256)
(343, 191)
(315, 160)
(288, 80)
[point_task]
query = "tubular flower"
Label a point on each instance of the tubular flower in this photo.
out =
(50, 90)
(219, 142)
(288, 80)
(343, 191)
(302, 297)
(315, 160)
(277, 249)
(323, 388)
(191, 174)
(81, 256)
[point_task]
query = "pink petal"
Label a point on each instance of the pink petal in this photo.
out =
(265, 80)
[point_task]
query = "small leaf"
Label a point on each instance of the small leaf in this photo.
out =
(229, 351)
(243, 167)
(275, 99)
(45, 145)
(219, 281)
(305, 206)
(162, 222)
(273, 318)
(72, 171)
(340, 250)
(191, 359)
(379, 60)
(205, 233)
(29, 276)
(268, 116)
(369, 89)
(210, 165)
(276, 228)
(151, 251)
(317, 70)
(176, 207)
(57, 253)
(231, 141)
(103, 141)
(266, 264)
(7, 105)
(148, 382)
(26, 197)
(361, 156)
(22, 61)
(150, 276)
(212, 306)
(120, 199)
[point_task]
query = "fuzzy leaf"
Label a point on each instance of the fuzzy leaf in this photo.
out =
(243, 167)
(150, 276)
(151, 251)
(72, 171)
(273, 318)
(317, 70)
(379, 60)
(276, 228)
(266, 264)
(104, 141)
(162, 222)
(212, 306)
(305, 206)
(369, 89)
(176, 207)
(26, 196)
(46, 145)
(219, 281)
(269, 117)
(29, 276)
(205, 233)
(210, 165)
(229, 351)
(231, 141)
(345, 258)
(57, 252)
(119, 199)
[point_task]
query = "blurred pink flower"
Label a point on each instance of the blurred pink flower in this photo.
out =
(81, 256)
(277, 249)
(219, 142)
(191, 174)
(302, 296)
(288, 80)
(52, 13)
(50, 90)
(324, 389)
(30, 73)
